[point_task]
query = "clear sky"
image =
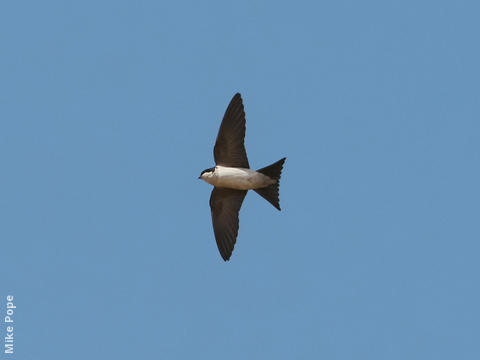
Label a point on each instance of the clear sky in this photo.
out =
(109, 111)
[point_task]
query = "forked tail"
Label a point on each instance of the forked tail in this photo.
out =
(270, 193)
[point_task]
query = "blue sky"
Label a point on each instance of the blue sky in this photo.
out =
(109, 112)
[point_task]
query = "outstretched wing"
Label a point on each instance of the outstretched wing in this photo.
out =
(229, 149)
(225, 205)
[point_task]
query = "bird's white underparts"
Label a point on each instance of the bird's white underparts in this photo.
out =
(236, 178)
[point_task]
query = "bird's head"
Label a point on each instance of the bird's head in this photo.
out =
(207, 173)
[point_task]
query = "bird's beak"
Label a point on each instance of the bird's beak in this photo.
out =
(200, 177)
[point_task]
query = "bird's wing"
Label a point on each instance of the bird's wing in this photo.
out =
(229, 149)
(225, 205)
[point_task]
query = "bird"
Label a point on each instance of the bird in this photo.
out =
(232, 178)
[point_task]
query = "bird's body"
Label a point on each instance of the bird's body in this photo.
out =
(237, 178)
(232, 178)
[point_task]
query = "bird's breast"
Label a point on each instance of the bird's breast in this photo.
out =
(239, 178)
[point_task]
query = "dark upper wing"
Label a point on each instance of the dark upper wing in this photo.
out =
(229, 149)
(225, 205)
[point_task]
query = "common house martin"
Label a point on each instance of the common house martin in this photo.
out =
(232, 178)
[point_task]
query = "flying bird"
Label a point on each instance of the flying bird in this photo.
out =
(232, 178)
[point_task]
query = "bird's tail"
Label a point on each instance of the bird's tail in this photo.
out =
(270, 193)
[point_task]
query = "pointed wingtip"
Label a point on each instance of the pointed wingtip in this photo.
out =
(226, 257)
(277, 206)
